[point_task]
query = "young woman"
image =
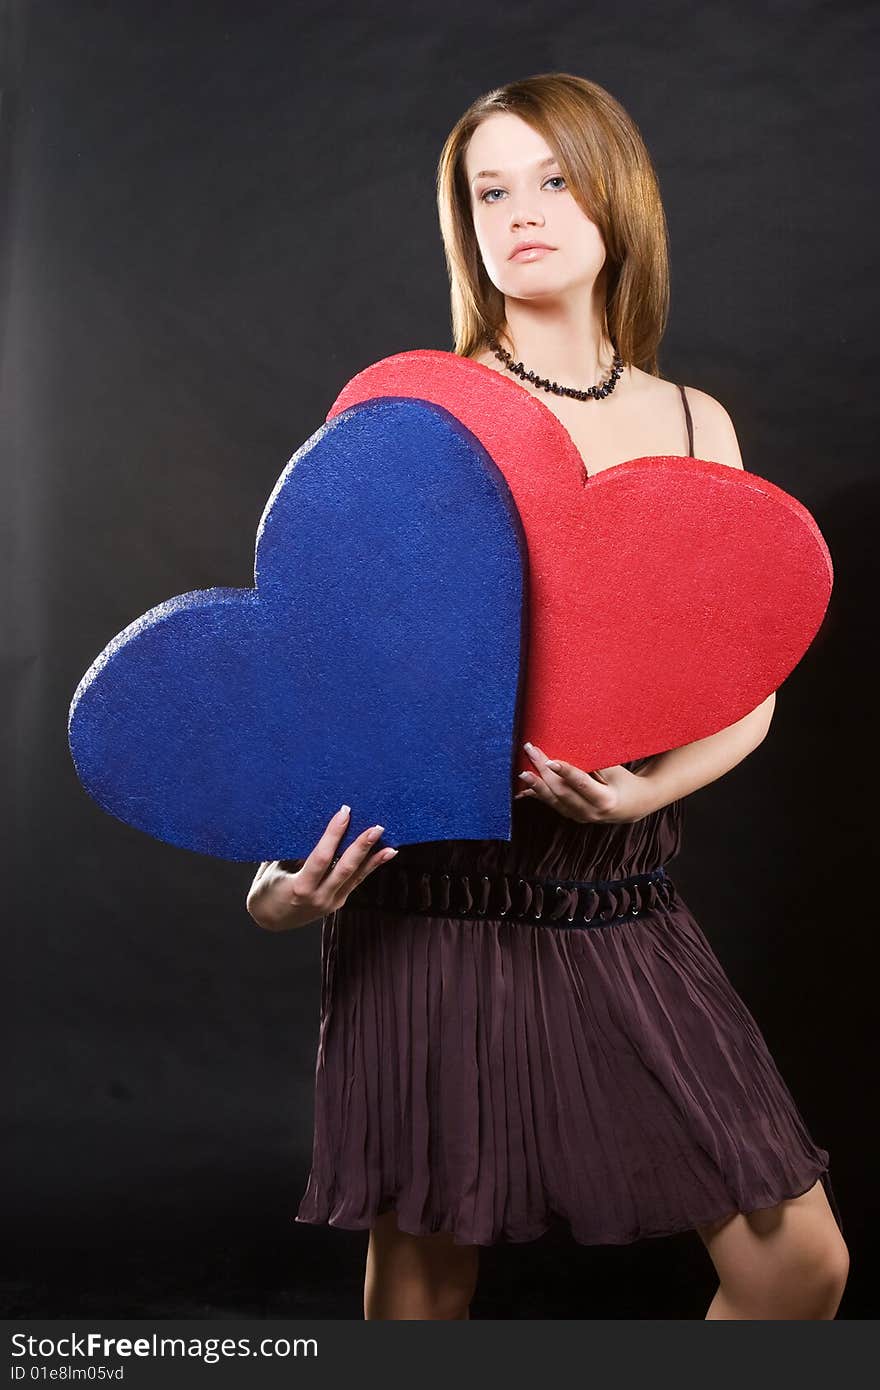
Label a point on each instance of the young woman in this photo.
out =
(484, 1070)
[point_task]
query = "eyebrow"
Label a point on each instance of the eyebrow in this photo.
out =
(497, 173)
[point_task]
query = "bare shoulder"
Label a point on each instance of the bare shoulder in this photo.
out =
(714, 435)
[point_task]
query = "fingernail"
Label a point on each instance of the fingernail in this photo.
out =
(529, 747)
(343, 810)
(526, 776)
(374, 834)
(554, 764)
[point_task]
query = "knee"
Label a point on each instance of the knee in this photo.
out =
(417, 1297)
(451, 1301)
(449, 1285)
(833, 1272)
(424, 1277)
(822, 1272)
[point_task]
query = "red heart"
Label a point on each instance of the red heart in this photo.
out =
(668, 595)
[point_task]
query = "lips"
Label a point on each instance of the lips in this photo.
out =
(536, 248)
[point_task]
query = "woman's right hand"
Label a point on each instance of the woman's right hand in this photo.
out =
(278, 900)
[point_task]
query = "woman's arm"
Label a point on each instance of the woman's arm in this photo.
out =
(683, 770)
(680, 771)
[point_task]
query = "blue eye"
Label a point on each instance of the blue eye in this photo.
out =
(484, 197)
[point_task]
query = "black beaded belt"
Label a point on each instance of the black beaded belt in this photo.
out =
(556, 902)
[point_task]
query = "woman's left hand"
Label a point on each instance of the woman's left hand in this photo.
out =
(609, 794)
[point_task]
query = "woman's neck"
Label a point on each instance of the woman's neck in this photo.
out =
(569, 348)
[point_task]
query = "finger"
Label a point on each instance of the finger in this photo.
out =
(537, 755)
(549, 768)
(319, 866)
(374, 861)
(575, 779)
(362, 854)
(539, 789)
(569, 789)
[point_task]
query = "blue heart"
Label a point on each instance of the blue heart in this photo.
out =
(379, 661)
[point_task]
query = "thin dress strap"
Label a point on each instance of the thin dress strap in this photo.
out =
(690, 423)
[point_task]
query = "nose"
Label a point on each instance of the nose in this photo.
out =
(522, 219)
(522, 214)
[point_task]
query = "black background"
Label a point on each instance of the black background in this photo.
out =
(216, 215)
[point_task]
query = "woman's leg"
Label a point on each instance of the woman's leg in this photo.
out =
(784, 1262)
(425, 1277)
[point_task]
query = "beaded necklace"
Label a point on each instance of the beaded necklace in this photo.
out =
(591, 392)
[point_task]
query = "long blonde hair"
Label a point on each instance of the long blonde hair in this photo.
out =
(610, 173)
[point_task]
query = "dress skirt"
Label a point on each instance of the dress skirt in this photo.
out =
(516, 1034)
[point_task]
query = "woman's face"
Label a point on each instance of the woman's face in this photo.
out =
(525, 197)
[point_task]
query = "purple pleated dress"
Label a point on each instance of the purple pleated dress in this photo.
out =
(517, 1033)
